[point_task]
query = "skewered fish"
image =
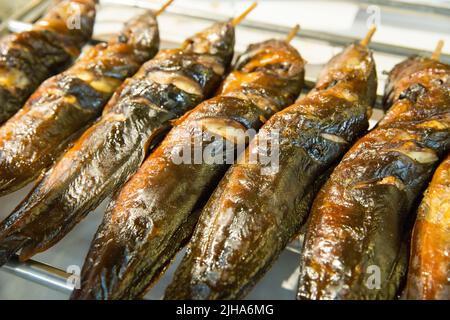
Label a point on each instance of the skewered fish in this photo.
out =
(155, 212)
(113, 148)
(429, 263)
(64, 104)
(30, 57)
(355, 245)
(254, 212)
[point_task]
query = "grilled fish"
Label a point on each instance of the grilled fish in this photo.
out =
(155, 212)
(256, 210)
(28, 58)
(113, 148)
(66, 103)
(355, 244)
(429, 263)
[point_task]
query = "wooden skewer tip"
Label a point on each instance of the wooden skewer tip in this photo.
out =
(292, 33)
(437, 52)
(242, 16)
(364, 42)
(164, 7)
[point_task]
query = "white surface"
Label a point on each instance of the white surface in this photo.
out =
(397, 27)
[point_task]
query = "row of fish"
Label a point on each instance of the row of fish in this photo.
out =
(97, 130)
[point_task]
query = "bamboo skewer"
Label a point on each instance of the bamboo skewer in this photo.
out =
(292, 33)
(234, 22)
(437, 52)
(164, 7)
(242, 16)
(364, 42)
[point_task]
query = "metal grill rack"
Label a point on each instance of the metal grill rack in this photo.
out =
(60, 280)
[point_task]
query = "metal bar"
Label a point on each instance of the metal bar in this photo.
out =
(21, 13)
(40, 273)
(334, 39)
(59, 280)
(404, 5)
(18, 26)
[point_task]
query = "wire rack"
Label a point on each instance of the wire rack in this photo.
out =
(58, 279)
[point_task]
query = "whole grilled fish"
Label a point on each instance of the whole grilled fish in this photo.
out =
(356, 241)
(155, 212)
(429, 264)
(255, 211)
(63, 105)
(28, 58)
(113, 148)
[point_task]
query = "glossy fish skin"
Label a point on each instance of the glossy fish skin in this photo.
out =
(55, 114)
(429, 262)
(155, 212)
(253, 214)
(359, 224)
(64, 104)
(114, 147)
(28, 58)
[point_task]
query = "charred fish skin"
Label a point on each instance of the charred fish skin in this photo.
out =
(114, 147)
(154, 213)
(63, 105)
(429, 261)
(66, 103)
(30, 57)
(413, 73)
(253, 213)
(354, 246)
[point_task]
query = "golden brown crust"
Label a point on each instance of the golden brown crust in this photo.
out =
(154, 213)
(359, 220)
(255, 212)
(113, 147)
(413, 73)
(429, 262)
(30, 57)
(64, 104)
